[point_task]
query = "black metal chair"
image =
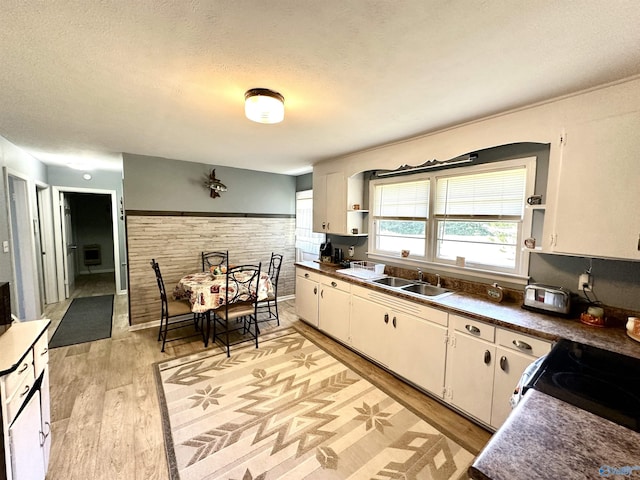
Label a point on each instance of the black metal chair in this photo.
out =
(214, 259)
(173, 313)
(241, 305)
(270, 304)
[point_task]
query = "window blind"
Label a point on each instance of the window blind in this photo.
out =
(495, 194)
(402, 200)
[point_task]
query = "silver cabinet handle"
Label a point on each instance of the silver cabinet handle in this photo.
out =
(522, 345)
(487, 357)
(322, 293)
(306, 275)
(472, 329)
(315, 290)
(26, 390)
(394, 322)
(24, 367)
(334, 284)
(44, 352)
(503, 363)
(386, 318)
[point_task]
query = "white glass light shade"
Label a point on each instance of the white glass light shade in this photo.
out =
(264, 106)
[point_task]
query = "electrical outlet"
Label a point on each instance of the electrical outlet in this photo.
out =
(584, 282)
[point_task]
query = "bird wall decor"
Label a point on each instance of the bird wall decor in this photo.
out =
(214, 185)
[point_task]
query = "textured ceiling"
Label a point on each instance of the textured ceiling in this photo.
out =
(88, 79)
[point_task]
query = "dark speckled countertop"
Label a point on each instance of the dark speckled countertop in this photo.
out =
(508, 315)
(543, 438)
(546, 438)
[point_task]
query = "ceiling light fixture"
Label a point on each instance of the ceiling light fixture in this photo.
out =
(263, 105)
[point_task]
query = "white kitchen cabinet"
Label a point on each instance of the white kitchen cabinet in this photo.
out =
(24, 399)
(484, 364)
(406, 337)
(307, 287)
(598, 179)
(334, 196)
(333, 308)
(369, 330)
(26, 462)
(470, 367)
(419, 351)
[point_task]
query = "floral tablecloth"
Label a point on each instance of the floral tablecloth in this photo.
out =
(207, 291)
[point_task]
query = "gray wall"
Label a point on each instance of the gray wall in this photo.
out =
(304, 182)
(161, 184)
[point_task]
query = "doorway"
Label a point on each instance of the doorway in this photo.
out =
(86, 240)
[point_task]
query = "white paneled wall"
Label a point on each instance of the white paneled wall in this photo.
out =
(177, 241)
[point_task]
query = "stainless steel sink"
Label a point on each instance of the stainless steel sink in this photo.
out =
(426, 290)
(394, 282)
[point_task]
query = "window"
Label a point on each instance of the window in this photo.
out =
(471, 216)
(307, 242)
(400, 213)
(479, 217)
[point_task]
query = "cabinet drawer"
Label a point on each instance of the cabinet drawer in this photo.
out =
(15, 378)
(19, 395)
(41, 354)
(474, 328)
(522, 343)
(308, 275)
(337, 284)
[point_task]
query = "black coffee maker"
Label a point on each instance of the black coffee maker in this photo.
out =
(326, 252)
(338, 255)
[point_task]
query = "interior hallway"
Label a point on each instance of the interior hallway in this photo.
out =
(104, 406)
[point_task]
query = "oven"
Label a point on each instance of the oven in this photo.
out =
(600, 381)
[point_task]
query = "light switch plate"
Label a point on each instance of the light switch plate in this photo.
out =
(5, 246)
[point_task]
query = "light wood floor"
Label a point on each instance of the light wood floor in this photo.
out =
(104, 406)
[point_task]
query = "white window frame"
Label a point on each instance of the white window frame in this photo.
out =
(307, 248)
(519, 274)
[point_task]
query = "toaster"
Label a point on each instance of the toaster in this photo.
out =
(547, 299)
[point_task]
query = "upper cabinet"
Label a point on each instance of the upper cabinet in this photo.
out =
(338, 204)
(597, 209)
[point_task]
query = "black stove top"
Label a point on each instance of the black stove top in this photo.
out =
(600, 381)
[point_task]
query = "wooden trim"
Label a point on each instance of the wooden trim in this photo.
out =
(167, 213)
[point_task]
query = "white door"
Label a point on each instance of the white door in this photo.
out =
(307, 300)
(470, 364)
(420, 351)
(26, 289)
(370, 329)
(70, 247)
(27, 461)
(509, 368)
(45, 407)
(334, 311)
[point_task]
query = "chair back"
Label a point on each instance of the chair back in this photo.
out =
(163, 292)
(214, 259)
(274, 269)
(242, 284)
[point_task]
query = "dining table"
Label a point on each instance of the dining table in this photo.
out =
(207, 291)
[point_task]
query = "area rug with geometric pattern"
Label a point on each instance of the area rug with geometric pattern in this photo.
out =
(289, 410)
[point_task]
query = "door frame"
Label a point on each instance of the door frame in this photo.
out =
(60, 248)
(43, 194)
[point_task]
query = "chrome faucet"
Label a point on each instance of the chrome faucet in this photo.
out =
(419, 275)
(438, 278)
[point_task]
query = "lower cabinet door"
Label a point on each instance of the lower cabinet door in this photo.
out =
(419, 351)
(45, 409)
(27, 461)
(370, 329)
(307, 300)
(470, 365)
(334, 312)
(509, 368)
